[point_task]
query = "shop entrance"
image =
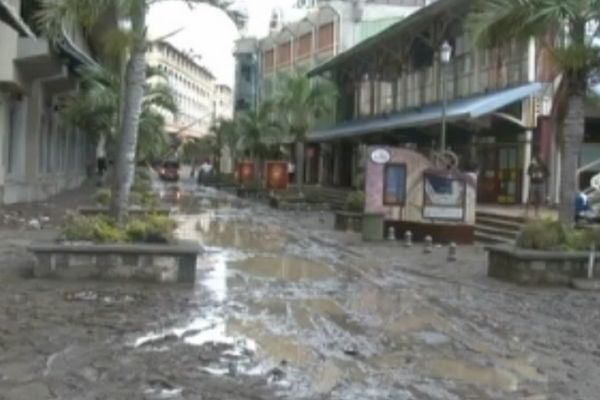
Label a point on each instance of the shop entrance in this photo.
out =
(500, 174)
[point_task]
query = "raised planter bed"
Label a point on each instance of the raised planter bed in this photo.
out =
(534, 267)
(134, 211)
(252, 193)
(137, 262)
(348, 221)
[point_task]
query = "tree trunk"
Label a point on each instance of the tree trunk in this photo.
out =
(135, 77)
(572, 138)
(300, 164)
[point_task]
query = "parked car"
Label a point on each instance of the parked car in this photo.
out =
(169, 170)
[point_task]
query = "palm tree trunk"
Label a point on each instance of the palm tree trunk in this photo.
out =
(572, 138)
(299, 164)
(135, 77)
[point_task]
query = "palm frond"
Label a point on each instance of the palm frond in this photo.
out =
(55, 14)
(492, 22)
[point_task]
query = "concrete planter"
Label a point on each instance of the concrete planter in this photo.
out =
(348, 221)
(533, 267)
(119, 262)
(251, 193)
(134, 211)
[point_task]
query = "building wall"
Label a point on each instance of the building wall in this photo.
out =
(333, 28)
(194, 88)
(40, 155)
(223, 102)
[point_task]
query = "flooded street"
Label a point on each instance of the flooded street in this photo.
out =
(283, 307)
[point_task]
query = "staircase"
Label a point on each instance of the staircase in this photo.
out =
(496, 228)
(335, 197)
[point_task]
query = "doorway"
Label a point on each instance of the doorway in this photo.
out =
(500, 174)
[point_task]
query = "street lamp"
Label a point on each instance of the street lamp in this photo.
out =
(445, 56)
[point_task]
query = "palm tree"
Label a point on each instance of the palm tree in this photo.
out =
(132, 43)
(95, 109)
(227, 137)
(563, 26)
(303, 102)
(259, 130)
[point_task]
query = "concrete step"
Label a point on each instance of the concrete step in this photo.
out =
(499, 216)
(487, 238)
(500, 223)
(510, 234)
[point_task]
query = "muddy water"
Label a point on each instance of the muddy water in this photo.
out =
(311, 329)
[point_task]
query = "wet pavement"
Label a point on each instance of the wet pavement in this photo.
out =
(283, 307)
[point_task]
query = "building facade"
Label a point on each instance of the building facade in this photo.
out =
(246, 74)
(325, 29)
(194, 87)
(496, 103)
(223, 102)
(40, 154)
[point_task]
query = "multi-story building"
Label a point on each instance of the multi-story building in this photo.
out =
(223, 102)
(40, 154)
(331, 28)
(246, 74)
(325, 29)
(194, 87)
(496, 103)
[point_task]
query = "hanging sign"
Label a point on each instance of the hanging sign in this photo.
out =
(380, 156)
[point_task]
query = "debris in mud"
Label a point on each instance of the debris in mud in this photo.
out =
(278, 373)
(160, 388)
(106, 298)
(157, 341)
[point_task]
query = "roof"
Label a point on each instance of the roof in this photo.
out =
(185, 55)
(10, 16)
(400, 27)
(468, 108)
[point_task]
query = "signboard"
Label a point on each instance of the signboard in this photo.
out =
(380, 156)
(277, 175)
(246, 172)
(444, 198)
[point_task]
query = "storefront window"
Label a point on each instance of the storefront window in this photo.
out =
(394, 184)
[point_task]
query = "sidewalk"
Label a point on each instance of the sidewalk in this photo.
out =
(50, 213)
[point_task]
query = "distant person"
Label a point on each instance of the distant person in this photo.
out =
(291, 171)
(194, 165)
(538, 174)
(101, 162)
(205, 170)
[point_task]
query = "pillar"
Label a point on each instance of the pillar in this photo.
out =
(336, 164)
(321, 170)
(527, 144)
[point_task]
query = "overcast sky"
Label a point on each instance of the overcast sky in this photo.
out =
(209, 32)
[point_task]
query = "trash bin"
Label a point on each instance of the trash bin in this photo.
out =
(372, 227)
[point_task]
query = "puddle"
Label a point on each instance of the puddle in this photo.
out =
(239, 235)
(472, 374)
(272, 346)
(285, 268)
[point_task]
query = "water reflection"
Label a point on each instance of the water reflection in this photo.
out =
(287, 268)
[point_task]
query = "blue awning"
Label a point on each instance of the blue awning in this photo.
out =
(463, 109)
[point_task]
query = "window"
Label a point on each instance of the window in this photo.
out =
(326, 36)
(304, 47)
(394, 184)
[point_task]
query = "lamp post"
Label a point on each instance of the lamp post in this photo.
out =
(445, 55)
